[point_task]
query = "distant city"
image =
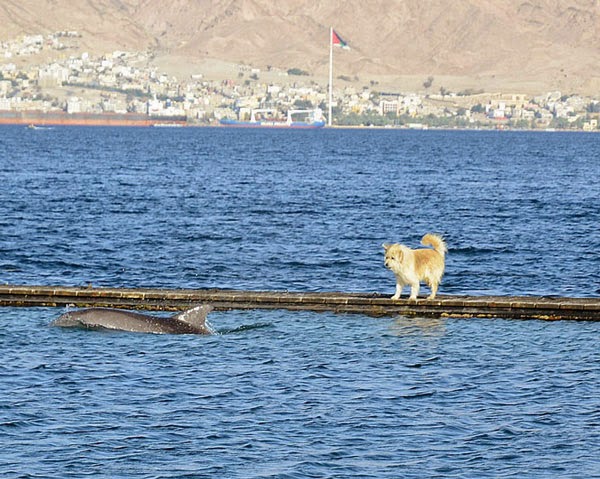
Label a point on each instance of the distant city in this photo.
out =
(123, 82)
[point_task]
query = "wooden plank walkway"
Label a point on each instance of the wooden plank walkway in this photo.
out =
(375, 304)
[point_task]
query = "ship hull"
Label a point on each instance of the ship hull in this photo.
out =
(58, 118)
(272, 124)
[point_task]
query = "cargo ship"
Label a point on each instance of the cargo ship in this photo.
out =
(60, 117)
(266, 118)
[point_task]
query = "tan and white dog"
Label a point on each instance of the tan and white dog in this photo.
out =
(414, 265)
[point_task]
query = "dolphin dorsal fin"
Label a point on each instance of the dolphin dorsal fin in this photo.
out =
(195, 317)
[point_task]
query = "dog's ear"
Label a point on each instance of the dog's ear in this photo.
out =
(386, 246)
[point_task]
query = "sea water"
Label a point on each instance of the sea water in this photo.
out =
(299, 394)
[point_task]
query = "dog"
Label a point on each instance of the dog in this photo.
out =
(414, 265)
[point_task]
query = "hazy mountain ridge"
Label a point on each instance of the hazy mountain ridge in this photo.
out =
(550, 41)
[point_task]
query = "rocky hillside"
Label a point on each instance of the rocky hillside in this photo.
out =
(552, 43)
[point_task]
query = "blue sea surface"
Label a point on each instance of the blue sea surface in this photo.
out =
(279, 394)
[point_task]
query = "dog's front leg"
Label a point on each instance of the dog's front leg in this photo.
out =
(414, 291)
(399, 287)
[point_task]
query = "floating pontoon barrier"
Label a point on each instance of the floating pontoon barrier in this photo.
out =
(375, 304)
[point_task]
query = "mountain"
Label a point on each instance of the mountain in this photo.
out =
(511, 44)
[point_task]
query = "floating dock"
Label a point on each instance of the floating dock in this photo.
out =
(372, 304)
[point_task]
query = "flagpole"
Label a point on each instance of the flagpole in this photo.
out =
(330, 74)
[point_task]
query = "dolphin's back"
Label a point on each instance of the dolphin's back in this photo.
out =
(104, 318)
(192, 321)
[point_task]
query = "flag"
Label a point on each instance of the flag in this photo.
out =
(337, 41)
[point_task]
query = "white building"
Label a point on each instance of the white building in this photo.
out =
(74, 105)
(52, 75)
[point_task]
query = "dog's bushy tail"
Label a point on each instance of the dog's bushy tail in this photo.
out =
(436, 241)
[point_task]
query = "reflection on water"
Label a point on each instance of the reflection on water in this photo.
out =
(418, 326)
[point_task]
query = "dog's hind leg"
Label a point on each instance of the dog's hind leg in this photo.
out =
(434, 287)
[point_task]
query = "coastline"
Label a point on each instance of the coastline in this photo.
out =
(35, 118)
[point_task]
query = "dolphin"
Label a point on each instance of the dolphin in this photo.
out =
(192, 321)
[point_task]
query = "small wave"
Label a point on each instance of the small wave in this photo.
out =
(417, 395)
(11, 268)
(243, 328)
(473, 250)
(423, 363)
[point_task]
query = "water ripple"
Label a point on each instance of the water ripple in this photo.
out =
(281, 394)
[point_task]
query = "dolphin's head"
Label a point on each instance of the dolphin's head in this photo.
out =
(70, 318)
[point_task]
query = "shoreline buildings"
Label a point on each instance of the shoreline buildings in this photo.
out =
(121, 88)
